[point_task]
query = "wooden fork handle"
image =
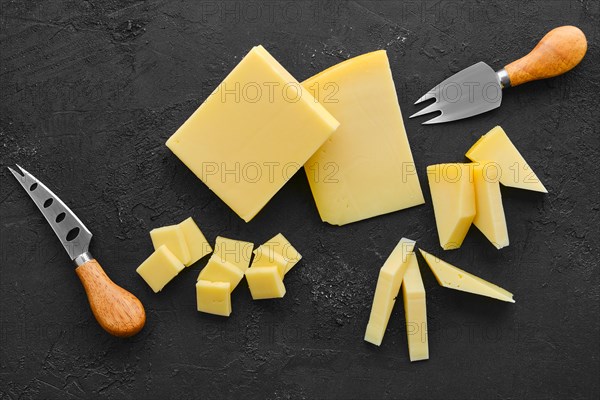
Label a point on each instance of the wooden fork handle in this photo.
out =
(558, 52)
(117, 311)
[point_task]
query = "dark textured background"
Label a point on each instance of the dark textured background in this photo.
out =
(92, 89)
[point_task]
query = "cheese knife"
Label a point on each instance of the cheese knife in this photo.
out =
(117, 311)
(478, 88)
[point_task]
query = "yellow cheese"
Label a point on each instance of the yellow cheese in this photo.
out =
(490, 219)
(158, 269)
(455, 278)
(213, 297)
(278, 252)
(388, 287)
(495, 146)
(219, 270)
(366, 168)
(415, 312)
(235, 252)
(171, 236)
(453, 197)
(252, 133)
(197, 244)
(265, 283)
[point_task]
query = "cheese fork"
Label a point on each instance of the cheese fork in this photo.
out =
(117, 311)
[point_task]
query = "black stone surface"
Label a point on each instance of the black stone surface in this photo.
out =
(92, 89)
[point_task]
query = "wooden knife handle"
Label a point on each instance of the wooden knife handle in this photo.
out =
(558, 52)
(119, 312)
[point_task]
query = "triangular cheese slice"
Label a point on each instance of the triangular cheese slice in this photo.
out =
(489, 219)
(495, 146)
(455, 278)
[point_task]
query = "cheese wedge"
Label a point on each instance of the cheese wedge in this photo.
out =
(455, 278)
(252, 133)
(495, 146)
(366, 167)
(453, 197)
(490, 219)
(234, 252)
(415, 311)
(197, 244)
(387, 289)
(158, 269)
(213, 297)
(265, 283)
(278, 252)
(173, 237)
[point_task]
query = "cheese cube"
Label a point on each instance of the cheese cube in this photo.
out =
(496, 146)
(415, 311)
(158, 269)
(213, 297)
(387, 289)
(453, 197)
(252, 133)
(278, 252)
(196, 243)
(265, 283)
(452, 277)
(171, 236)
(218, 270)
(366, 167)
(235, 252)
(489, 219)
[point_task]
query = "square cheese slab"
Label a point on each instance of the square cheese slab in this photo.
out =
(158, 269)
(173, 237)
(213, 297)
(235, 252)
(265, 283)
(218, 270)
(366, 167)
(252, 133)
(278, 252)
(197, 244)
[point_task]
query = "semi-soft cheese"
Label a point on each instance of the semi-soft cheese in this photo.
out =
(452, 277)
(387, 289)
(213, 297)
(265, 283)
(235, 252)
(158, 269)
(489, 217)
(278, 252)
(495, 146)
(197, 244)
(366, 167)
(173, 237)
(415, 311)
(453, 197)
(252, 133)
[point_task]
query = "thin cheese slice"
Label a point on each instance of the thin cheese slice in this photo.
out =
(387, 289)
(453, 197)
(366, 167)
(197, 244)
(415, 311)
(173, 237)
(235, 252)
(455, 278)
(265, 283)
(490, 219)
(218, 270)
(252, 133)
(496, 146)
(158, 269)
(213, 297)
(278, 252)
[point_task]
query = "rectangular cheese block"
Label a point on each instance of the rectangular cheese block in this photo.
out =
(489, 219)
(252, 133)
(173, 237)
(366, 167)
(197, 244)
(495, 146)
(235, 252)
(452, 277)
(213, 297)
(387, 289)
(219, 270)
(453, 197)
(415, 311)
(265, 283)
(158, 269)
(278, 252)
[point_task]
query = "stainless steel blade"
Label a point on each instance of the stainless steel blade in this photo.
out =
(73, 234)
(472, 91)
